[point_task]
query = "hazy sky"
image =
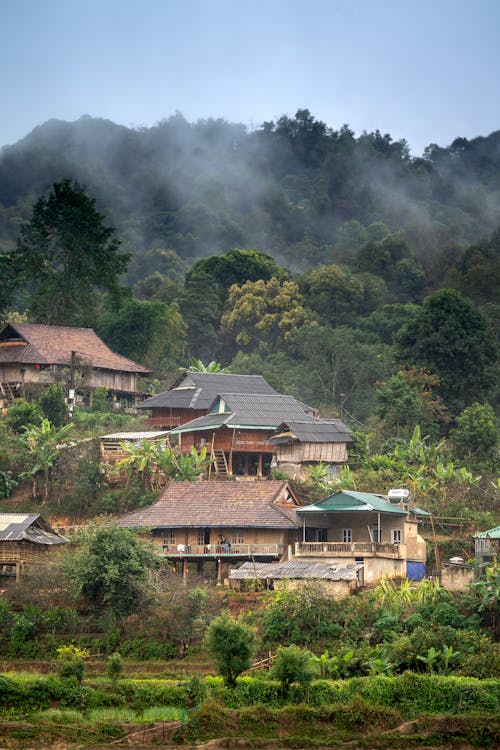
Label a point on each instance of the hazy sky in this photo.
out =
(424, 70)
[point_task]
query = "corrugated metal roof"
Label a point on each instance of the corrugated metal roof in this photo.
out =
(197, 390)
(17, 527)
(216, 504)
(135, 436)
(350, 501)
(493, 533)
(54, 344)
(296, 569)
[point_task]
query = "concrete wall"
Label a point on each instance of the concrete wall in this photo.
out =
(456, 577)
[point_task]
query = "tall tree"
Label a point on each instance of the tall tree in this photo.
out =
(452, 339)
(65, 253)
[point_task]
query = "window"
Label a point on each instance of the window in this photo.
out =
(347, 535)
(238, 536)
(396, 536)
(168, 537)
(200, 539)
(377, 534)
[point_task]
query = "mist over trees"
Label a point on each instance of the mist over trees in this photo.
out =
(345, 270)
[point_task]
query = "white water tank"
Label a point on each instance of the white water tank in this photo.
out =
(398, 496)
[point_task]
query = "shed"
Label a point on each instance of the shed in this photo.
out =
(26, 539)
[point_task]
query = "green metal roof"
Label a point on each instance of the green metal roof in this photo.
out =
(491, 533)
(349, 501)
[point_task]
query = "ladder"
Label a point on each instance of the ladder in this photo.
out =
(219, 463)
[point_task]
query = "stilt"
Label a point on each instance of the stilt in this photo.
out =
(184, 571)
(219, 571)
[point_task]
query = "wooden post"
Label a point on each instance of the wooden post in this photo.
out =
(259, 465)
(18, 572)
(184, 570)
(219, 571)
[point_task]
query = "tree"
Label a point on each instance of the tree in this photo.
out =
(53, 404)
(398, 404)
(109, 569)
(149, 332)
(264, 315)
(476, 437)
(231, 644)
(65, 253)
(333, 294)
(196, 365)
(451, 338)
(21, 414)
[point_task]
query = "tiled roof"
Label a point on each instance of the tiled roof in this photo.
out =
(295, 569)
(54, 344)
(312, 431)
(17, 527)
(262, 504)
(249, 410)
(197, 390)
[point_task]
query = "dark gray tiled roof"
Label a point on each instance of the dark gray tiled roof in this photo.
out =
(250, 410)
(313, 431)
(17, 527)
(197, 390)
(264, 504)
(296, 569)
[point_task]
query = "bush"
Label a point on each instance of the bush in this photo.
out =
(232, 645)
(292, 664)
(71, 662)
(115, 667)
(53, 404)
(21, 414)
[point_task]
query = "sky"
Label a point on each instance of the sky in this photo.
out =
(423, 70)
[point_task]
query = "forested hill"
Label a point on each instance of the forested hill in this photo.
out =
(294, 188)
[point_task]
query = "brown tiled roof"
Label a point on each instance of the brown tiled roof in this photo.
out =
(54, 344)
(261, 504)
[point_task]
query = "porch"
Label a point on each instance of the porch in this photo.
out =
(217, 551)
(349, 549)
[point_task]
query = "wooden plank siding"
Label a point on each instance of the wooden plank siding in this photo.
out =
(300, 452)
(26, 552)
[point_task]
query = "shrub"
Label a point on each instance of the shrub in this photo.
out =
(115, 667)
(293, 664)
(71, 662)
(21, 414)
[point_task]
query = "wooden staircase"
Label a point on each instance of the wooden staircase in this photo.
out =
(219, 464)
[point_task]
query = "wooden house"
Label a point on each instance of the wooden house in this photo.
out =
(299, 444)
(112, 447)
(35, 356)
(365, 528)
(193, 394)
(26, 539)
(236, 430)
(224, 522)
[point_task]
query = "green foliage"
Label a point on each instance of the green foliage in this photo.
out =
(66, 252)
(7, 483)
(21, 414)
(476, 437)
(108, 569)
(231, 644)
(43, 445)
(301, 617)
(149, 332)
(53, 404)
(292, 664)
(115, 666)
(70, 662)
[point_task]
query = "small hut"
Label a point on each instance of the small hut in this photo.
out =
(26, 539)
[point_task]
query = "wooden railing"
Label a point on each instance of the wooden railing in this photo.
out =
(322, 549)
(165, 421)
(222, 550)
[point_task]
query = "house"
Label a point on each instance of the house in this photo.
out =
(290, 574)
(26, 539)
(487, 545)
(299, 444)
(236, 430)
(33, 356)
(220, 522)
(193, 394)
(381, 532)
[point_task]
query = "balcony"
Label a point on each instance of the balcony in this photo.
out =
(349, 549)
(216, 551)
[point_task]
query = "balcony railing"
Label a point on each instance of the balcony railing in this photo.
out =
(349, 549)
(222, 550)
